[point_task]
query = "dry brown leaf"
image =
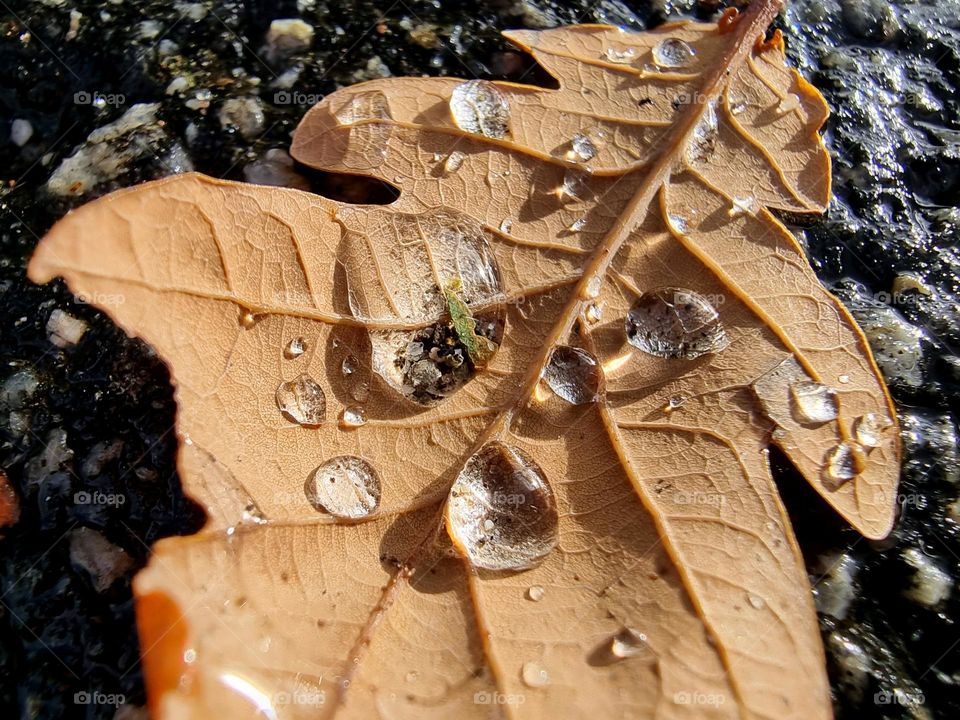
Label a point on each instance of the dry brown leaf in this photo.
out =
(578, 525)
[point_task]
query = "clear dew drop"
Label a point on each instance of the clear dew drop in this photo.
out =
(535, 593)
(675, 323)
(453, 162)
(501, 510)
(302, 401)
(743, 206)
(344, 486)
(620, 56)
(577, 225)
(295, 348)
(869, 429)
(582, 148)
(676, 402)
(594, 313)
(811, 402)
(678, 223)
(574, 375)
(844, 462)
(479, 107)
(506, 225)
(573, 187)
(353, 416)
(592, 289)
(672, 52)
(350, 365)
(703, 140)
(629, 643)
(788, 104)
(738, 107)
(369, 105)
(534, 675)
(248, 319)
(756, 602)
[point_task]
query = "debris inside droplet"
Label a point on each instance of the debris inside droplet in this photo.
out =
(582, 148)
(453, 162)
(295, 348)
(788, 104)
(844, 462)
(620, 56)
(479, 107)
(505, 225)
(675, 323)
(302, 401)
(501, 510)
(672, 52)
(812, 402)
(574, 375)
(535, 593)
(353, 416)
(743, 206)
(628, 643)
(479, 347)
(869, 429)
(345, 486)
(534, 675)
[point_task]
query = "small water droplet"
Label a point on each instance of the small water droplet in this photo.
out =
(505, 225)
(582, 148)
(743, 206)
(535, 593)
(412, 676)
(574, 375)
(678, 223)
(676, 402)
(628, 643)
(360, 390)
(594, 313)
(453, 162)
(620, 56)
(502, 484)
(869, 429)
(844, 462)
(534, 675)
(675, 323)
(737, 107)
(573, 187)
(704, 137)
(295, 348)
(353, 416)
(248, 319)
(479, 107)
(672, 52)
(345, 486)
(302, 401)
(812, 402)
(844, 379)
(577, 225)
(349, 365)
(788, 104)
(756, 601)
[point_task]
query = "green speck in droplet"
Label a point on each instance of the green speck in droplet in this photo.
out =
(479, 348)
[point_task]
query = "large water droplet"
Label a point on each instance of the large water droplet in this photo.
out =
(302, 401)
(869, 429)
(574, 375)
(534, 675)
(844, 462)
(479, 107)
(672, 52)
(369, 105)
(295, 348)
(620, 56)
(628, 643)
(345, 486)
(675, 323)
(501, 510)
(812, 402)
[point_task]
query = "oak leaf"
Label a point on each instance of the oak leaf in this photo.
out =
(502, 444)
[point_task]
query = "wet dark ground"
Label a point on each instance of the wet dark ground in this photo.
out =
(85, 432)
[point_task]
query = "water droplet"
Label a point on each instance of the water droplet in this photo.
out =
(577, 225)
(738, 107)
(349, 365)
(573, 187)
(620, 56)
(743, 206)
(479, 107)
(672, 52)
(502, 484)
(844, 379)
(594, 313)
(788, 104)
(704, 137)
(756, 601)
(412, 676)
(628, 643)
(574, 375)
(345, 486)
(506, 225)
(812, 402)
(869, 429)
(249, 318)
(535, 593)
(592, 289)
(353, 416)
(844, 462)
(678, 223)
(582, 148)
(302, 401)
(369, 105)
(676, 402)
(675, 323)
(453, 162)
(360, 390)
(534, 675)
(295, 348)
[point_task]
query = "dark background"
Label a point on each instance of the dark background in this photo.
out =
(98, 416)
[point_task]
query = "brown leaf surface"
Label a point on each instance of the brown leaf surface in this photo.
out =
(668, 583)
